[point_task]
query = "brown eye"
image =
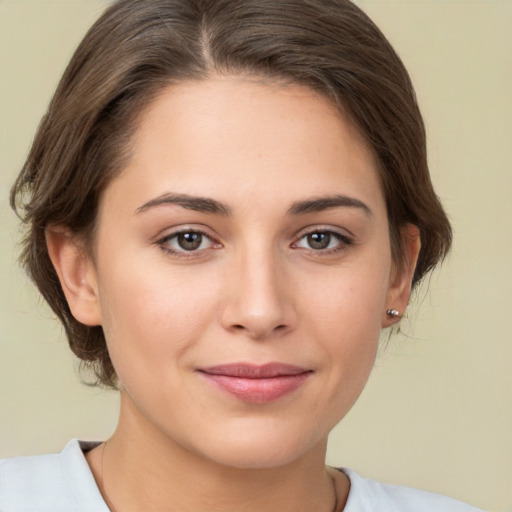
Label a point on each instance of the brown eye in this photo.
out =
(189, 241)
(186, 242)
(325, 241)
(319, 240)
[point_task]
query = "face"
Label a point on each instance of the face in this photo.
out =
(242, 269)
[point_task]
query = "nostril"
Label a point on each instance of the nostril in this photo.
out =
(240, 327)
(255, 331)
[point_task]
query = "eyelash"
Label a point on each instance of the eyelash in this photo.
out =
(343, 242)
(163, 243)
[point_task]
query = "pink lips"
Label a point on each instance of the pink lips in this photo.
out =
(257, 384)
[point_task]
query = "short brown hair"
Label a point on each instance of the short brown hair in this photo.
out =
(138, 47)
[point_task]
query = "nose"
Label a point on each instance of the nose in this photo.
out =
(259, 300)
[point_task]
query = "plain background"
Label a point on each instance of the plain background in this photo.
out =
(437, 412)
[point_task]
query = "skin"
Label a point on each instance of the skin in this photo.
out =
(255, 291)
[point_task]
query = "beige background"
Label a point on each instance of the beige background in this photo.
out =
(437, 413)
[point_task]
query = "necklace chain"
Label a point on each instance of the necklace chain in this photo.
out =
(103, 490)
(335, 491)
(112, 509)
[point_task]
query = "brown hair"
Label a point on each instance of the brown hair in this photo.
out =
(138, 47)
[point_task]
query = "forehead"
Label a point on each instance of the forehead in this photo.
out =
(230, 136)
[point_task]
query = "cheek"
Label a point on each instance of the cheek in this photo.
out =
(348, 300)
(152, 316)
(344, 316)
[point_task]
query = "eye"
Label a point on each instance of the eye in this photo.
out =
(323, 240)
(186, 242)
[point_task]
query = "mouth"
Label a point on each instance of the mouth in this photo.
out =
(256, 384)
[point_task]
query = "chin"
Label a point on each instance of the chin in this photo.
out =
(255, 459)
(261, 448)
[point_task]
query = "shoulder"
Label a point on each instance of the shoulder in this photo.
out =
(367, 495)
(56, 482)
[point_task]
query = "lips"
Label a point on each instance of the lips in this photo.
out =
(256, 384)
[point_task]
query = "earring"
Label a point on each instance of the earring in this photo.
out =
(393, 313)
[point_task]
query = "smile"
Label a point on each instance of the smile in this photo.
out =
(256, 384)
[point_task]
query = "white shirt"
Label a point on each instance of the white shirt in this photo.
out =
(63, 482)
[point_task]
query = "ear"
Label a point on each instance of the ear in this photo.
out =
(401, 278)
(76, 274)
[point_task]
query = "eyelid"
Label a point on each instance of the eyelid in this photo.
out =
(162, 240)
(341, 232)
(345, 239)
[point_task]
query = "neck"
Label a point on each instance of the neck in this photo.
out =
(141, 469)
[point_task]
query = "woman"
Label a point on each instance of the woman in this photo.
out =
(227, 202)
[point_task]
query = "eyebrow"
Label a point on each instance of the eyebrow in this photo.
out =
(198, 204)
(207, 205)
(325, 203)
